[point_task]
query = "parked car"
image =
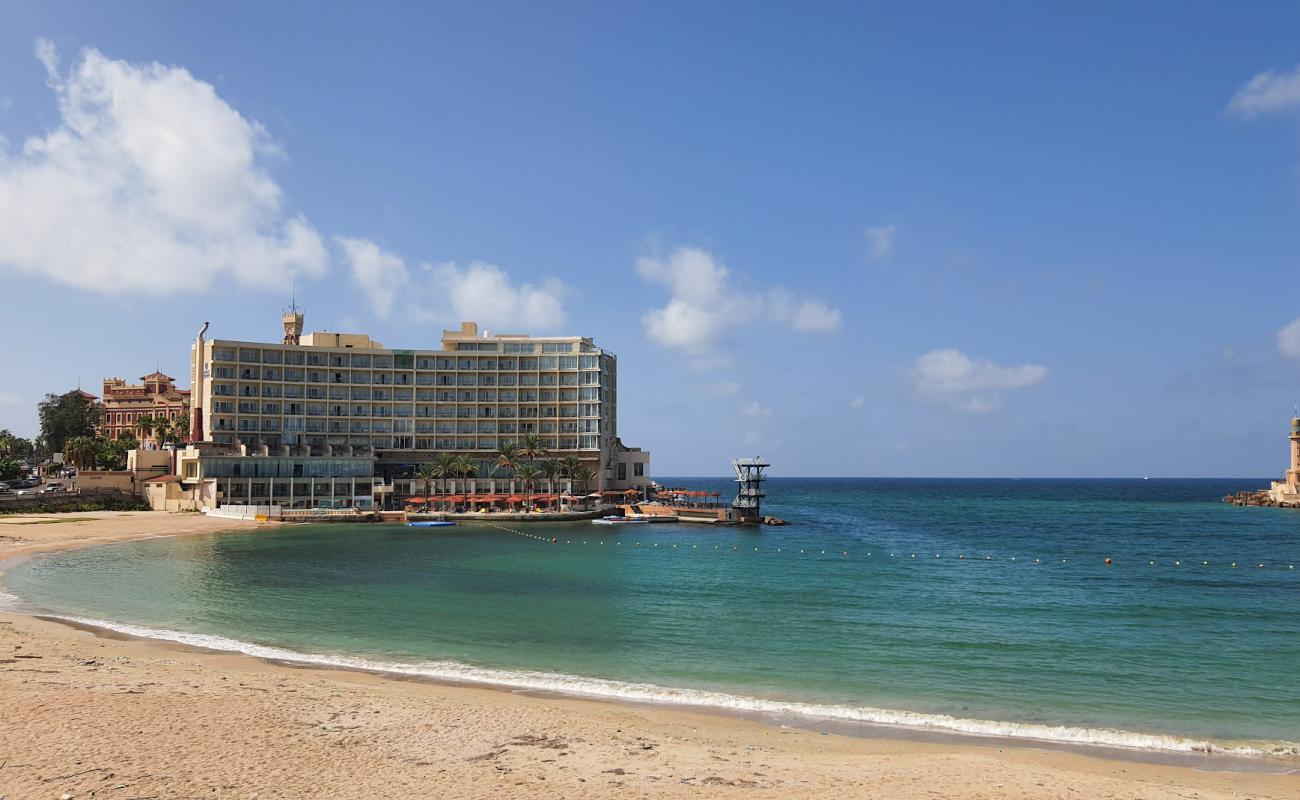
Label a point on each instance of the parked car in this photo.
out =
(4, 488)
(53, 487)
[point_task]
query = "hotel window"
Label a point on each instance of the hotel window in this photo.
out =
(270, 374)
(518, 347)
(293, 391)
(568, 362)
(528, 363)
(465, 346)
(383, 362)
(638, 469)
(293, 357)
(223, 354)
(292, 374)
(248, 408)
(547, 362)
(589, 362)
(248, 355)
(622, 470)
(269, 390)
(557, 347)
(315, 359)
(270, 356)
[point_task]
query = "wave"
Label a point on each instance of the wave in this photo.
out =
(598, 688)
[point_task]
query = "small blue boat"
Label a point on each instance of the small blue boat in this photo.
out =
(437, 523)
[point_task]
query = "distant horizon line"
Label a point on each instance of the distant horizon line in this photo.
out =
(978, 477)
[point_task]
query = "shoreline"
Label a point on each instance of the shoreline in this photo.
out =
(1081, 762)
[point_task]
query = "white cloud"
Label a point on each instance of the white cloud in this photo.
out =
(802, 315)
(1267, 91)
(970, 384)
(150, 183)
(881, 240)
(1288, 339)
(484, 293)
(380, 275)
(753, 409)
(703, 305)
(858, 402)
(447, 293)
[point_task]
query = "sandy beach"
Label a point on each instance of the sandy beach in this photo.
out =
(90, 714)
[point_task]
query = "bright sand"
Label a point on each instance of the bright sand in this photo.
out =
(89, 714)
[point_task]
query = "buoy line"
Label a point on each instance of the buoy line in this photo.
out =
(1107, 561)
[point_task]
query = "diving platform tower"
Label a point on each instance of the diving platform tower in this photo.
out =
(749, 487)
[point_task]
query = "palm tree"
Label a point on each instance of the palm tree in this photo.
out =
(166, 430)
(81, 451)
(6, 441)
(570, 463)
(509, 459)
(444, 468)
(425, 473)
(531, 446)
(583, 474)
(527, 473)
(145, 424)
(550, 470)
(466, 468)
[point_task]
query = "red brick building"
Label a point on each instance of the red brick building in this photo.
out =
(156, 395)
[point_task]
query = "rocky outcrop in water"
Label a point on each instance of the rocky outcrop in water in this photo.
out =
(1259, 497)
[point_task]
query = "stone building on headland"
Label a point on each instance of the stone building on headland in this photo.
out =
(1284, 493)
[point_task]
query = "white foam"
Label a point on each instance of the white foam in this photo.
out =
(578, 686)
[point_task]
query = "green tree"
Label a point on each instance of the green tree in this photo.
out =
(527, 473)
(164, 430)
(112, 455)
(21, 448)
(444, 468)
(583, 475)
(426, 473)
(66, 416)
(551, 470)
(466, 468)
(145, 425)
(531, 446)
(509, 459)
(81, 451)
(9, 468)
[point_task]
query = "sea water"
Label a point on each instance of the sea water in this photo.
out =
(972, 606)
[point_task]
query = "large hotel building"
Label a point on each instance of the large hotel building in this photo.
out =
(343, 395)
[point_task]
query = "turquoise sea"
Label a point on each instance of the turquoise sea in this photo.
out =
(975, 606)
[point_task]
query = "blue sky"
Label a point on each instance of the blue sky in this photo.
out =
(865, 239)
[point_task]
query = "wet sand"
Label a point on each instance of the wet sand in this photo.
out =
(91, 714)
